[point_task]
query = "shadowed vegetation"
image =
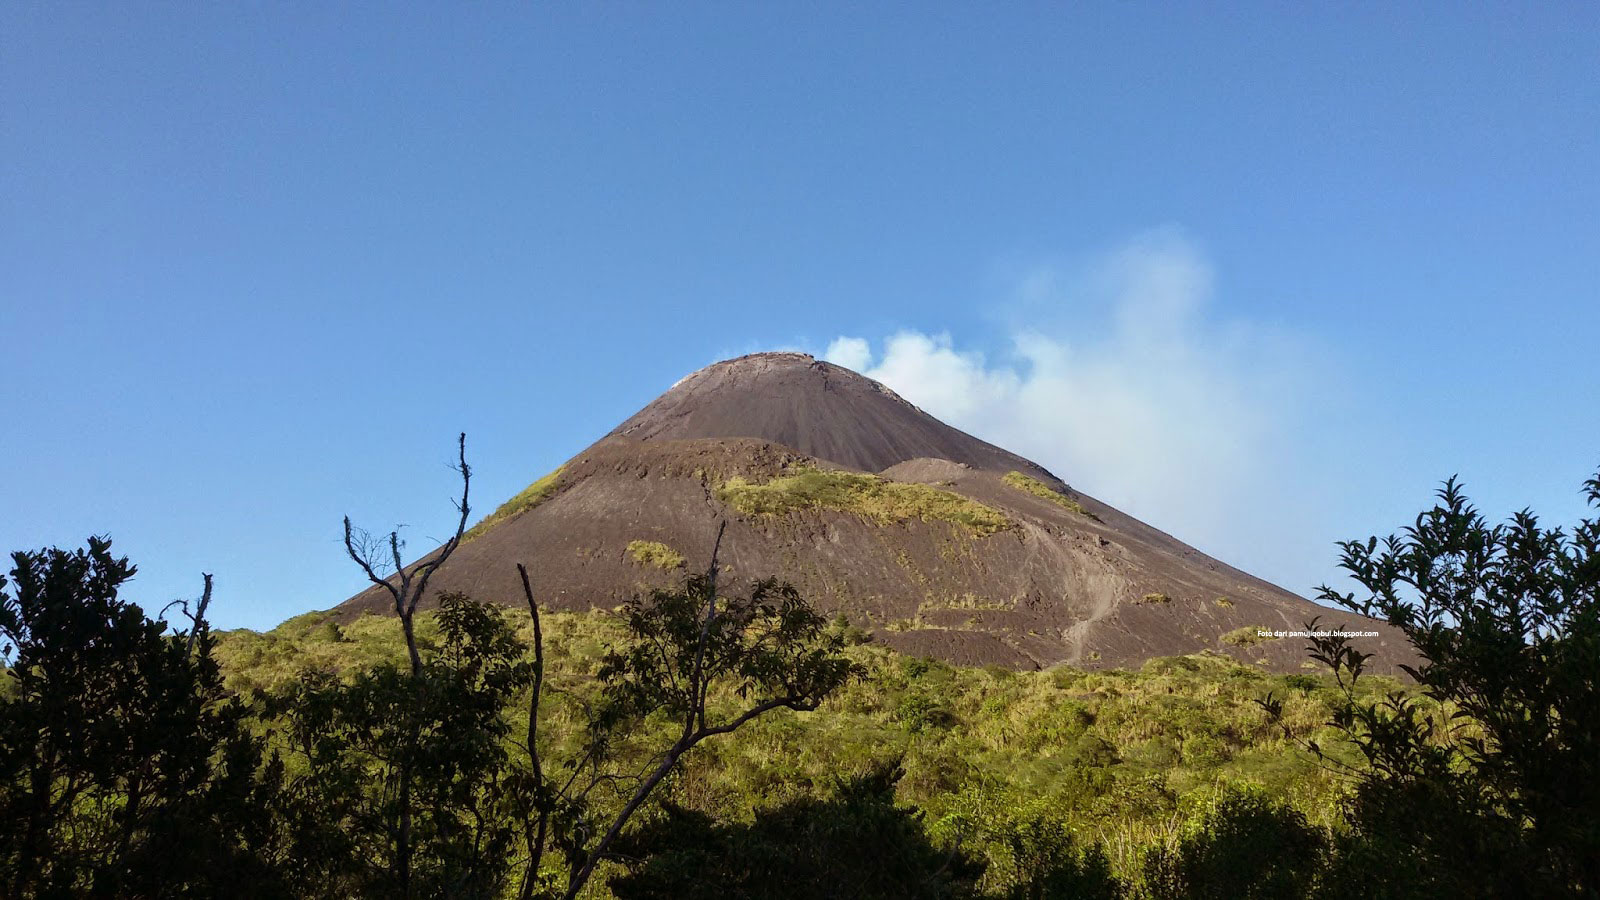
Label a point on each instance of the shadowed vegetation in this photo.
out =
(1120, 754)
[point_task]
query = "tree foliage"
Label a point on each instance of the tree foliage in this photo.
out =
(1496, 792)
(769, 644)
(442, 728)
(125, 769)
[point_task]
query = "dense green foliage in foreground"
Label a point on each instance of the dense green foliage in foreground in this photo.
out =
(1122, 756)
(722, 741)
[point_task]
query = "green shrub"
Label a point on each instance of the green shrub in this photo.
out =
(915, 667)
(1152, 598)
(1089, 750)
(1047, 861)
(1114, 752)
(918, 711)
(655, 553)
(1160, 752)
(853, 843)
(1248, 636)
(1305, 684)
(1243, 845)
(853, 635)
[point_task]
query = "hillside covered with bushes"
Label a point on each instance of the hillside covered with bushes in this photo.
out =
(1125, 759)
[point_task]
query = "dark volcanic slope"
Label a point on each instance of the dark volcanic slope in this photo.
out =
(815, 407)
(1068, 579)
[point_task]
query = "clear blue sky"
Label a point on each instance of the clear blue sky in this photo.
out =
(259, 263)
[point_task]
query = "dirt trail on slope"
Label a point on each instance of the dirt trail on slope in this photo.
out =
(1094, 581)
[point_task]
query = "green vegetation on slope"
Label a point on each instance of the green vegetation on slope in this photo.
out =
(1115, 753)
(527, 499)
(655, 553)
(1248, 636)
(871, 497)
(1039, 489)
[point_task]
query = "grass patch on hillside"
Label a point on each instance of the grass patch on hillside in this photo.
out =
(655, 553)
(1246, 636)
(1039, 489)
(966, 600)
(1153, 598)
(527, 499)
(871, 497)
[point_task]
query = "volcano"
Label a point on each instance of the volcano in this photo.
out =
(936, 542)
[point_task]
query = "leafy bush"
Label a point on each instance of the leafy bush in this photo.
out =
(1242, 846)
(1248, 636)
(918, 711)
(655, 553)
(403, 773)
(854, 843)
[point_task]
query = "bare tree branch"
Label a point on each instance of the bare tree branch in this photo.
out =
(543, 802)
(199, 617)
(361, 559)
(696, 679)
(407, 588)
(461, 524)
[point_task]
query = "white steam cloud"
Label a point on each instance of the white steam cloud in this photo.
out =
(1125, 387)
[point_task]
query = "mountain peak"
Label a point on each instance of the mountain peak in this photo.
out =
(813, 406)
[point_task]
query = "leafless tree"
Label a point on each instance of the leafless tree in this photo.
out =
(407, 588)
(197, 618)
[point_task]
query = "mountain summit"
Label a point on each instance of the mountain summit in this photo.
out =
(812, 406)
(935, 541)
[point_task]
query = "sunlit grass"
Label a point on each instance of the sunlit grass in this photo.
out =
(872, 498)
(1248, 636)
(1121, 755)
(655, 553)
(1039, 489)
(527, 499)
